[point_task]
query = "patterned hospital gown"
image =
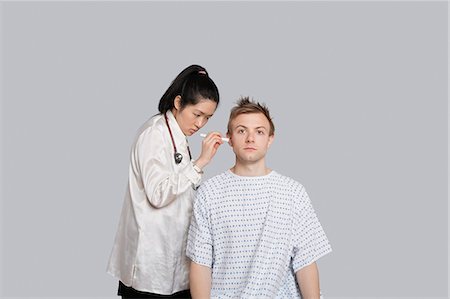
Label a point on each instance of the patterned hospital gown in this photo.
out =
(254, 233)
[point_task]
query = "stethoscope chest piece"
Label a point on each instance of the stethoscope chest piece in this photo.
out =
(178, 158)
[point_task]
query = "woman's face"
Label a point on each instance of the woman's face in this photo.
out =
(193, 117)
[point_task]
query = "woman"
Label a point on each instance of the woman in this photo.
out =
(148, 256)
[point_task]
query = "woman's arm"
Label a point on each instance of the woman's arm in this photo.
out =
(153, 166)
(152, 158)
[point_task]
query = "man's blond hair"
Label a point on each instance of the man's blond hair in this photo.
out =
(245, 105)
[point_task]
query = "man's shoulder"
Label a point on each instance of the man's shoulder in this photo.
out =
(215, 182)
(287, 181)
(217, 178)
(294, 190)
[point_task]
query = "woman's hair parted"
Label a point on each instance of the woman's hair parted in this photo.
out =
(245, 105)
(193, 84)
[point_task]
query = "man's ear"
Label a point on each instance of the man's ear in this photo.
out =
(177, 103)
(230, 142)
(271, 138)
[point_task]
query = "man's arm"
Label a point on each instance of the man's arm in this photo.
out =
(308, 280)
(200, 281)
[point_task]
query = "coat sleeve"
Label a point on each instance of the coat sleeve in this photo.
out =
(162, 180)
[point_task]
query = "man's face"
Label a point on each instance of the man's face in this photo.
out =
(249, 137)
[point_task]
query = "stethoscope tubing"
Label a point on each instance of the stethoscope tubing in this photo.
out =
(177, 156)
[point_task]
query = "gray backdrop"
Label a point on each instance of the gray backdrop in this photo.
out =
(358, 92)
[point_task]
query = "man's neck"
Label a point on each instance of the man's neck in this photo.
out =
(257, 169)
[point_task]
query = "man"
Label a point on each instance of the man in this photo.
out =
(254, 232)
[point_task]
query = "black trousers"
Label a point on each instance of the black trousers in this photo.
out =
(130, 293)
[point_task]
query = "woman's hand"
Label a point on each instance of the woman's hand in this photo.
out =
(210, 144)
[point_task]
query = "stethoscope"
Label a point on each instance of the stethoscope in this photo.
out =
(177, 156)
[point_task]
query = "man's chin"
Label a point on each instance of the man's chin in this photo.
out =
(249, 158)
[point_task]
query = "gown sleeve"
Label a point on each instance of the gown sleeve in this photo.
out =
(310, 241)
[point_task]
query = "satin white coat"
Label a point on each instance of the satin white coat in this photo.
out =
(150, 244)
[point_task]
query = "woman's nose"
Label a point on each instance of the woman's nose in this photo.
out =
(200, 122)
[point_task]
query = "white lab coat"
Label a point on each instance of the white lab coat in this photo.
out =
(150, 244)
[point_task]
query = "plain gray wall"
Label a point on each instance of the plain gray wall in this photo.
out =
(358, 92)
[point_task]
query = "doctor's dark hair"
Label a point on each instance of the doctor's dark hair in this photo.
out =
(245, 105)
(192, 84)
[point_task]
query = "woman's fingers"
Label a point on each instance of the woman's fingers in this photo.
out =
(210, 144)
(214, 138)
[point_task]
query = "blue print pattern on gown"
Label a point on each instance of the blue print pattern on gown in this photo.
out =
(255, 233)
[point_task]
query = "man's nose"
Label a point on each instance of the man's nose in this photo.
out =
(250, 137)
